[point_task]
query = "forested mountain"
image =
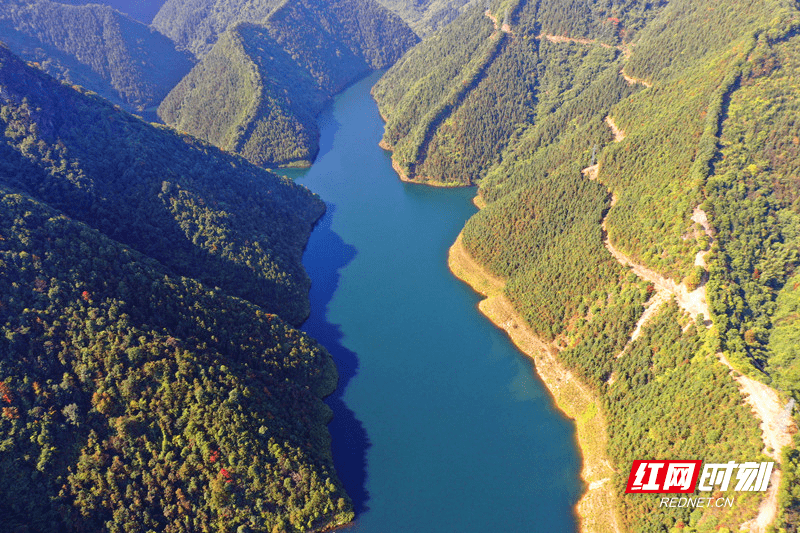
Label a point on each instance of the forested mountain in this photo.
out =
(448, 120)
(258, 91)
(96, 47)
(664, 131)
(230, 100)
(197, 24)
(135, 398)
(201, 213)
(426, 16)
(141, 10)
(363, 26)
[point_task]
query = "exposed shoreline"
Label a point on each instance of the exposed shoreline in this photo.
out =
(596, 510)
(430, 182)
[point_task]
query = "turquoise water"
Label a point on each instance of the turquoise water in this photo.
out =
(440, 424)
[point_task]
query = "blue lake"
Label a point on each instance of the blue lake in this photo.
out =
(440, 424)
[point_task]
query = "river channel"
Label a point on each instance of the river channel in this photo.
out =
(440, 423)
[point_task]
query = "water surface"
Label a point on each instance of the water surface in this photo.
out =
(440, 424)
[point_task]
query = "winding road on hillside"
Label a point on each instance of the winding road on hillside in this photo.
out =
(631, 80)
(625, 49)
(764, 401)
(505, 28)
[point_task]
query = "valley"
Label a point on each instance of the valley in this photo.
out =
(635, 171)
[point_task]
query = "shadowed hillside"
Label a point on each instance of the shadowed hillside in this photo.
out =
(137, 393)
(96, 47)
(200, 212)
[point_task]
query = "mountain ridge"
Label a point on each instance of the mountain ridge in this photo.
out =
(533, 134)
(258, 90)
(188, 408)
(187, 214)
(97, 47)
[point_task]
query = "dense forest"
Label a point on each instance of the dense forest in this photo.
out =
(259, 88)
(448, 121)
(139, 394)
(585, 122)
(197, 24)
(135, 400)
(141, 10)
(225, 100)
(96, 47)
(426, 16)
(150, 277)
(202, 213)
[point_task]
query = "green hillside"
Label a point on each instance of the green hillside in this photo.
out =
(449, 120)
(258, 91)
(202, 213)
(426, 16)
(135, 398)
(197, 24)
(226, 101)
(698, 95)
(96, 47)
(364, 26)
(141, 10)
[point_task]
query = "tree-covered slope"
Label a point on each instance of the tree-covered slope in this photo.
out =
(259, 89)
(455, 101)
(364, 26)
(417, 95)
(593, 127)
(141, 10)
(426, 16)
(753, 193)
(135, 398)
(261, 105)
(200, 212)
(197, 24)
(96, 47)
